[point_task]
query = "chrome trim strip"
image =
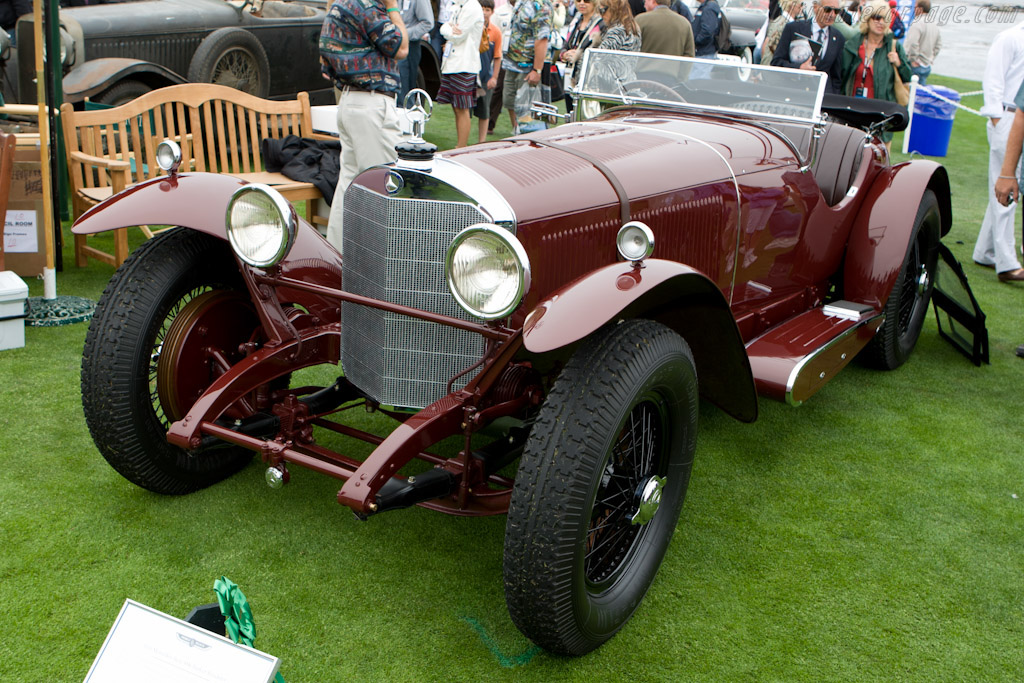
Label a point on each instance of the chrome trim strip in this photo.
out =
(794, 375)
(471, 185)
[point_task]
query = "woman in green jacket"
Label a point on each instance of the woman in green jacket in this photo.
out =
(872, 59)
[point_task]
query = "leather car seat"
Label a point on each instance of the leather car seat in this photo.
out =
(840, 150)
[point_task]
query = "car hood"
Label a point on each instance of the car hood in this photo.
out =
(154, 16)
(566, 169)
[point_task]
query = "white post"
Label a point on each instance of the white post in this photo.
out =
(910, 108)
(49, 283)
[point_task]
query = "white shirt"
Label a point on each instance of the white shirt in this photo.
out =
(1004, 71)
(815, 31)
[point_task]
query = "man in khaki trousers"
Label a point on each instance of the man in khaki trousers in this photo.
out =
(360, 44)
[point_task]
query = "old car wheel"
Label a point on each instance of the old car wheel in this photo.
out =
(746, 58)
(233, 57)
(908, 303)
(122, 92)
(177, 287)
(600, 485)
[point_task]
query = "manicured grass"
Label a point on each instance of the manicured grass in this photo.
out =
(871, 534)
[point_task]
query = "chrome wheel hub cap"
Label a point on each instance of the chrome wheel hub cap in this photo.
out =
(922, 280)
(648, 498)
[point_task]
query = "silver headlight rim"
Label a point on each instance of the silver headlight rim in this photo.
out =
(522, 259)
(648, 236)
(289, 221)
(175, 150)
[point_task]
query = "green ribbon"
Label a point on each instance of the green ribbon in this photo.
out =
(238, 621)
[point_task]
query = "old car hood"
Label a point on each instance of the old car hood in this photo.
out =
(153, 16)
(647, 154)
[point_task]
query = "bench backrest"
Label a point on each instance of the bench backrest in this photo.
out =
(218, 128)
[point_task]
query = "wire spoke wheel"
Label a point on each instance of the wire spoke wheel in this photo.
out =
(613, 535)
(908, 303)
(237, 69)
(600, 486)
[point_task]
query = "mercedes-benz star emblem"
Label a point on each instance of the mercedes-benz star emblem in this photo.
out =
(394, 183)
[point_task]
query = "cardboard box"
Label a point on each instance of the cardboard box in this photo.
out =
(13, 296)
(24, 236)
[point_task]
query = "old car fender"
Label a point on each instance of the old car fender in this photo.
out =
(192, 200)
(882, 231)
(96, 75)
(198, 201)
(674, 294)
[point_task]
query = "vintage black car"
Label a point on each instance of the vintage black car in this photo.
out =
(114, 53)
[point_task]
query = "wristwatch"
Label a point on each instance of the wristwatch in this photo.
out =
(535, 69)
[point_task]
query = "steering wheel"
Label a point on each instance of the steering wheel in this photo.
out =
(652, 89)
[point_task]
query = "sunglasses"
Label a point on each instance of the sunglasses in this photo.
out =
(830, 10)
(878, 17)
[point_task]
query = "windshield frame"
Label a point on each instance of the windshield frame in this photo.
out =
(812, 82)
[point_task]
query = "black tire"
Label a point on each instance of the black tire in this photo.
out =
(578, 482)
(907, 305)
(233, 57)
(122, 92)
(125, 402)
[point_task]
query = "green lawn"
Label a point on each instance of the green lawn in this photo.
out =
(872, 534)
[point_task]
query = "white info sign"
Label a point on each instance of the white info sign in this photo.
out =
(20, 232)
(147, 645)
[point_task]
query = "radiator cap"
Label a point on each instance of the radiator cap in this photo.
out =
(416, 150)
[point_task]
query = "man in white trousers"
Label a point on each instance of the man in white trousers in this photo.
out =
(1004, 72)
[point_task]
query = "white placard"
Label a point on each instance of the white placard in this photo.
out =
(20, 232)
(147, 645)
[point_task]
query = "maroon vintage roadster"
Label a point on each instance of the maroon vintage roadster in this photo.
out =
(559, 300)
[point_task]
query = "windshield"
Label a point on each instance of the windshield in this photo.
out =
(723, 85)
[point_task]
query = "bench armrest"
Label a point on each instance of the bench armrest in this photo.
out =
(110, 164)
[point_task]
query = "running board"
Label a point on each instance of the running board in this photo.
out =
(794, 360)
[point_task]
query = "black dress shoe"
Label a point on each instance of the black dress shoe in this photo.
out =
(1020, 351)
(1012, 275)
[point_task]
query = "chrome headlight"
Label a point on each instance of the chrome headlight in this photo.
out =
(260, 225)
(635, 241)
(168, 156)
(487, 270)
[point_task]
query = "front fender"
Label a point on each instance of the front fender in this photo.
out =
(198, 201)
(672, 293)
(882, 231)
(97, 75)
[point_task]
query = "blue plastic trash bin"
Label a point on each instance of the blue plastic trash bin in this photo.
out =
(932, 125)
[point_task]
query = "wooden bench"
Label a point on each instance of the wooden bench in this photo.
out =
(219, 130)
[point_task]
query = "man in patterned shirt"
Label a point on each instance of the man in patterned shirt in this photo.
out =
(527, 49)
(360, 45)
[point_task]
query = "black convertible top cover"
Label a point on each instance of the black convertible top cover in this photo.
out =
(862, 112)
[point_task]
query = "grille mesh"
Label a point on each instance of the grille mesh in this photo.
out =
(394, 251)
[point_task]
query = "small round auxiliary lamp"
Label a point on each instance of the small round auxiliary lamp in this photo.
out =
(168, 156)
(635, 242)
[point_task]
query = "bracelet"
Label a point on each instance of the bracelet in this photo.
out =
(1008, 177)
(394, 9)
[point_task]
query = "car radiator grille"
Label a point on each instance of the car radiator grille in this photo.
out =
(394, 251)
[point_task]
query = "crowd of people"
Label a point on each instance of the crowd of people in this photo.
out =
(370, 51)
